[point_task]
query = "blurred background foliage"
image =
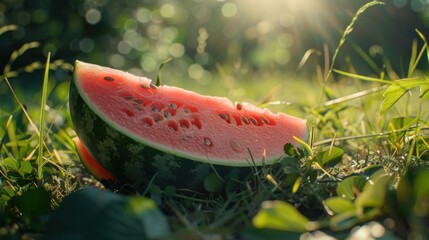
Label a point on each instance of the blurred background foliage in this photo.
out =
(213, 44)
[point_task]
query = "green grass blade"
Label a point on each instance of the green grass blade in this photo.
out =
(158, 77)
(361, 77)
(40, 160)
(348, 30)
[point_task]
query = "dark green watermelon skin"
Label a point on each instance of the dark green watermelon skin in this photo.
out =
(135, 164)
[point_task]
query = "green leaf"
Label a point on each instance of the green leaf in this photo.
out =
(332, 155)
(374, 191)
(289, 149)
(423, 90)
(213, 183)
(95, 214)
(281, 216)
(11, 164)
(34, 202)
(398, 89)
(271, 234)
(339, 204)
(344, 221)
(351, 186)
(25, 168)
(391, 99)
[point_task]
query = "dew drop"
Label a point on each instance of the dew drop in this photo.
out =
(173, 105)
(153, 86)
(155, 109)
(208, 142)
(109, 79)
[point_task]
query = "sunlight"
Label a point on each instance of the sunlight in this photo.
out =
(305, 20)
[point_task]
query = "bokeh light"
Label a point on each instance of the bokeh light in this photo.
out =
(241, 37)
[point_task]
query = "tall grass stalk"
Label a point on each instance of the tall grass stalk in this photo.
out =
(40, 160)
(347, 31)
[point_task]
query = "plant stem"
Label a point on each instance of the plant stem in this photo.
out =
(40, 160)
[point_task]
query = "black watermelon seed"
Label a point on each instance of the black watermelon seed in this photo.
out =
(254, 121)
(143, 86)
(110, 79)
(265, 120)
(224, 116)
(139, 101)
(245, 119)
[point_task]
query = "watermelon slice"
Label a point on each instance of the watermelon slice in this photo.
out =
(144, 133)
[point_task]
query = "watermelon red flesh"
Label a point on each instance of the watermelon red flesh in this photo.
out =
(183, 123)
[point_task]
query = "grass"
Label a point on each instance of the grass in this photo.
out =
(364, 169)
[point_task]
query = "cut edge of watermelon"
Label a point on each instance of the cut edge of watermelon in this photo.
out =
(216, 161)
(93, 167)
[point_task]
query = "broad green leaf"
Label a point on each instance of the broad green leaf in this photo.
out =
(420, 184)
(374, 192)
(11, 164)
(281, 216)
(351, 186)
(34, 202)
(271, 234)
(344, 220)
(339, 204)
(132, 218)
(398, 89)
(423, 90)
(95, 214)
(213, 183)
(390, 99)
(332, 155)
(289, 149)
(25, 167)
(371, 169)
